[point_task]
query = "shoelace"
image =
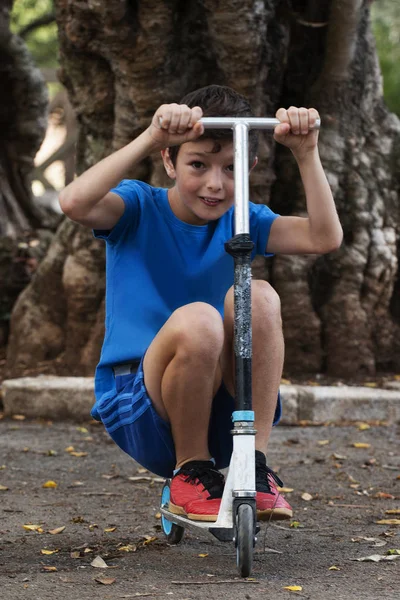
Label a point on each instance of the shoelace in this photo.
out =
(262, 481)
(211, 479)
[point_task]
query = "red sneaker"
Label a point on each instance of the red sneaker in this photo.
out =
(270, 503)
(196, 491)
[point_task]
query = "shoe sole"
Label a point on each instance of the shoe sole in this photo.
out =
(178, 510)
(275, 514)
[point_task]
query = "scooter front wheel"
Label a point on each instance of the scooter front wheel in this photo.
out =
(244, 539)
(172, 531)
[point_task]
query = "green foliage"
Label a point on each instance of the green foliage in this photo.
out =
(386, 27)
(42, 42)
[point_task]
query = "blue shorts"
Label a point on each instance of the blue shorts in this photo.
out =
(133, 423)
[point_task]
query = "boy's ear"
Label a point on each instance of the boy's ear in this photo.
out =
(168, 165)
(254, 163)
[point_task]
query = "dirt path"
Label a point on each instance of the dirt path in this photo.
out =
(106, 514)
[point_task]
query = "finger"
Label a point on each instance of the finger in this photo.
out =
(164, 116)
(196, 114)
(303, 121)
(313, 115)
(175, 118)
(184, 119)
(293, 114)
(282, 115)
(282, 130)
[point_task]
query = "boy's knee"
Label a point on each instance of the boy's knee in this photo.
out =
(265, 303)
(199, 327)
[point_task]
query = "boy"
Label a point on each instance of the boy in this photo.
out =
(165, 381)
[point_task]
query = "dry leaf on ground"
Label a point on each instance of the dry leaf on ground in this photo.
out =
(57, 530)
(306, 496)
(293, 588)
(105, 580)
(50, 484)
(99, 563)
(389, 522)
(377, 558)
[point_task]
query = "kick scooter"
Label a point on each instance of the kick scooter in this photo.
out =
(237, 518)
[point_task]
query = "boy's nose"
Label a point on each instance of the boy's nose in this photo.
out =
(214, 182)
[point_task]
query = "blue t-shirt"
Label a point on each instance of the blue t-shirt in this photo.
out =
(156, 263)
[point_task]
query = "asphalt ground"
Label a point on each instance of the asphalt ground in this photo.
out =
(96, 510)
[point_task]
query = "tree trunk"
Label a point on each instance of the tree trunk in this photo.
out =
(23, 121)
(121, 60)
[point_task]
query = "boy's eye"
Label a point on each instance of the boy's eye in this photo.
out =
(197, 164)
(230, 168)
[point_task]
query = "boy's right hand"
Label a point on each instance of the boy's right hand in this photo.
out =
(175, 124)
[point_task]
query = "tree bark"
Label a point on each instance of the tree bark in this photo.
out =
(121, 60)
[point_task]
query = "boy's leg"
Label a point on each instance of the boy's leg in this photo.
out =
(182, 374)
(267, 365)
(268, 355)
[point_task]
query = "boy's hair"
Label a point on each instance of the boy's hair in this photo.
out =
(219, 101)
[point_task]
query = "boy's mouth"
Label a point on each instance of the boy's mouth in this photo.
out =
(210, 201)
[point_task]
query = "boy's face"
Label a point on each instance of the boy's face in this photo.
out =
(204, 182)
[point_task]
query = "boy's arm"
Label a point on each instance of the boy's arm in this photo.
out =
(88, 200)
(320, 232)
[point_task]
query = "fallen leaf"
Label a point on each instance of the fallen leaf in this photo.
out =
(393, 551)
(285, 490)
(371, 384)
(384, 495)
(109, 529)
(93, 526)
(128, 548)
(142, 470)
(158, 515)
(48, 552)
(69, 449)
(377, 558)
(75, 554)
(295, 524)
(339, 456)
(3, 488)
(306, 496)
(37, 528)
(82, 429)
(363, 426)
(99, 563)
(361, 445)
(87, 550)
(393, 511)
(18, 417)
(293, 588)
(148, 539)
(57, 530)
(50, 484)
(323, 442)
(78, 454)
(389, 522)
(105, 580)
(333, 568)
(203, 555)
(49, 569)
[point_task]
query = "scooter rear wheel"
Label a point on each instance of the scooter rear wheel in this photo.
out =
(244, 539)
(172, 531)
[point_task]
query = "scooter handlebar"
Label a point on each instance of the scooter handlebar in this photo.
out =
(250, 122)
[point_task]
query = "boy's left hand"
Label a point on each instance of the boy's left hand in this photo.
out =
(296, 130)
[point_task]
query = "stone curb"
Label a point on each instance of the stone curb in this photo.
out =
(61, 398)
